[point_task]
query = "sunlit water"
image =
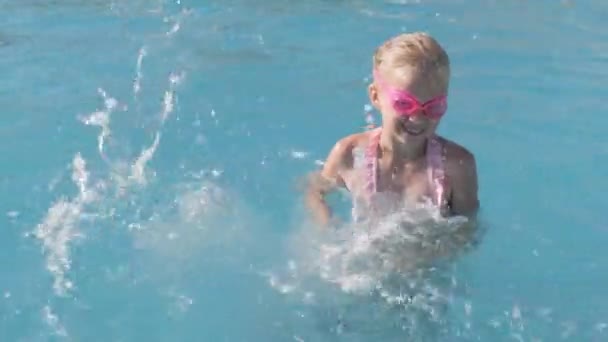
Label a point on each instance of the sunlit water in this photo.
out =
(153, 154)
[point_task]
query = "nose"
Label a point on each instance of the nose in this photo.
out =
(417, 117)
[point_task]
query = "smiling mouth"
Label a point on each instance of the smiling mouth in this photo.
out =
(412, 130)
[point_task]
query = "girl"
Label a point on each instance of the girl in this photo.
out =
(404, 161)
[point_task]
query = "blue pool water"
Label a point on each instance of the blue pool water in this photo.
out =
(152, 153)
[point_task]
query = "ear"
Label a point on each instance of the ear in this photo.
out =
(374, 99)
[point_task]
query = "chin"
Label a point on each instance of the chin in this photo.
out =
(405, 136)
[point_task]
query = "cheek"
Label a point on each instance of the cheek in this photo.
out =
(385, 104)
(433, 124)
(387, 110)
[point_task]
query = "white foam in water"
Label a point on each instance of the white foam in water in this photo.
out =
(199, 216)
(395, 264)
(568, 329)
(167, 105)
(280, 286)
(80, 176)
(101, 119)
(180, 303)
(517, 323)
(138, 73)
(177, 21)
(51, 319)
(299, 154)
(12, 214)
(360, 259)
(59, 227)
(174, 29)
(168, 101)
(139, 166)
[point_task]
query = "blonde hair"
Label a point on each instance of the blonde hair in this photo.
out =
(418, 50)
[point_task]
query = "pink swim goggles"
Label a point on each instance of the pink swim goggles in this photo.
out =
(406, 104)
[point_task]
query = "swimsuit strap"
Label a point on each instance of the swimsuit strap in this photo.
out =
(435, 167)
(436, 170)
(371, 162)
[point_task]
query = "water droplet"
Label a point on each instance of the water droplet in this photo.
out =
(516, 313)
(468, 308)
(298, 154)
(601, 327)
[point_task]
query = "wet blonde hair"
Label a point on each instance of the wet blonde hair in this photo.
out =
(418, 50)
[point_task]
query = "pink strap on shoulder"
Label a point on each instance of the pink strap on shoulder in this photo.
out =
(435, 161)
(371, 154)
(436, 167)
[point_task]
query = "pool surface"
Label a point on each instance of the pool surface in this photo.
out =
(153, 154)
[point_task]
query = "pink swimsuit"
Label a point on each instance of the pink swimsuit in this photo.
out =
(435, 170)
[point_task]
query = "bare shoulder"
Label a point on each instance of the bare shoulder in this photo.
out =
(461, 170)
(461, 166)
(342, 152)
(340, 159)
(458, 156)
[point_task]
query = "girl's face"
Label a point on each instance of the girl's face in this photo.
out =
(411, 104)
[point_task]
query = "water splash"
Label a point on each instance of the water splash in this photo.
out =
(369, 117)
(101, 119)
(176, 21)
(175, 79)
(138, 72)
(393, 273)
(196, 217)
(52, 321)
(359, 258)
(138, 169)
(59, 227)
(295, 154)
(179, 303)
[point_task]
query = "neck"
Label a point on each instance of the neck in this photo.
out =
(410, 151)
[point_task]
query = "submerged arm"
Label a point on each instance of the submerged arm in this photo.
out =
(318, 187)
(322, 182)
